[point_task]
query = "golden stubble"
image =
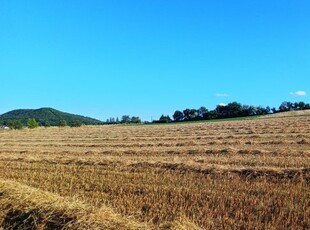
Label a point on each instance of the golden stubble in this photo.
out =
(238, 174)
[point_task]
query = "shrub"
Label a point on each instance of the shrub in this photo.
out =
(76, 123)
(63, 123)
(32, 123)
(15, 124)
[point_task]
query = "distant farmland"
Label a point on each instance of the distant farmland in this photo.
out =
(251, 174)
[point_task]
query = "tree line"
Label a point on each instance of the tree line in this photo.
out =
(32, 124)
(231, 110)
(125, 119)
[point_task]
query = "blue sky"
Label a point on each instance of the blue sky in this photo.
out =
(151, 57)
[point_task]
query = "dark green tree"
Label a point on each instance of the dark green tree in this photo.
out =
(234, 109)
(301, 105)
(261, 110)
(286, 106)
(76, 123)
(273, 110)
(248, 110)
(164, 119)
(125, 119)
(135, 120)
(201, 111)
(221, 111)
(178, 116)
(193, 114)
(15, 124)
(211, 115)
(186, 114)
(62, 123)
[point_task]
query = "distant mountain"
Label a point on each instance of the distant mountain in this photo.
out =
(46, 117)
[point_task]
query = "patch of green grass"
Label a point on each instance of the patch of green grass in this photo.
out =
(208, 121)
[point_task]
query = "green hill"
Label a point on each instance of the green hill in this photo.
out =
(46, 117)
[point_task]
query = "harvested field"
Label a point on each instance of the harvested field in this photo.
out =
(252, 174)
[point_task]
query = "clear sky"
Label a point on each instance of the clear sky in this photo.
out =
(104, 58)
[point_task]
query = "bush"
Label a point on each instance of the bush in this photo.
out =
(62, 123)
(32, 123)
(15, 124)
(76, 123)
